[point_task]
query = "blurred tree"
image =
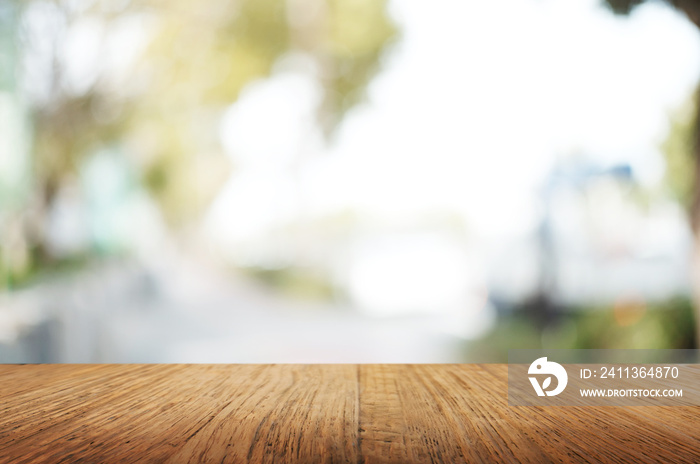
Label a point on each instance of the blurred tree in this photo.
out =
(13, 140)
(682, 147)
(690, 7)
(156, 75)
(678, 149)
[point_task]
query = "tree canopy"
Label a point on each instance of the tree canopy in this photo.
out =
(149, 80)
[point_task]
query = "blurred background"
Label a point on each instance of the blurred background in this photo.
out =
(346, 180)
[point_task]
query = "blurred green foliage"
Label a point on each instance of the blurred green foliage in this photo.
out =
(679, 146)
(297, 283)
(162, 113)
(626, 325)
(679, 151)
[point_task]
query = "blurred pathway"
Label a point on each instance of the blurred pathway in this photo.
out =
(182, 312)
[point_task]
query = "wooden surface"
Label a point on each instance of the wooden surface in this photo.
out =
(315, 413)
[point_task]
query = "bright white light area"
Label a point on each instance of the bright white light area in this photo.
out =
(472, 110)
(482, 97)
(272, 122)
(476, 104)
(410, 273)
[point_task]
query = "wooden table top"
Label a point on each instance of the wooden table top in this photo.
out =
(315, 413)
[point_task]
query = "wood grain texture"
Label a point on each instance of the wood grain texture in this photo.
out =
(315, 413)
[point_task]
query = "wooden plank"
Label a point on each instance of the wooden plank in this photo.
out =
(175, 413)
(293, 413)
(459, 413)
(315, 413)
(446, 415)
